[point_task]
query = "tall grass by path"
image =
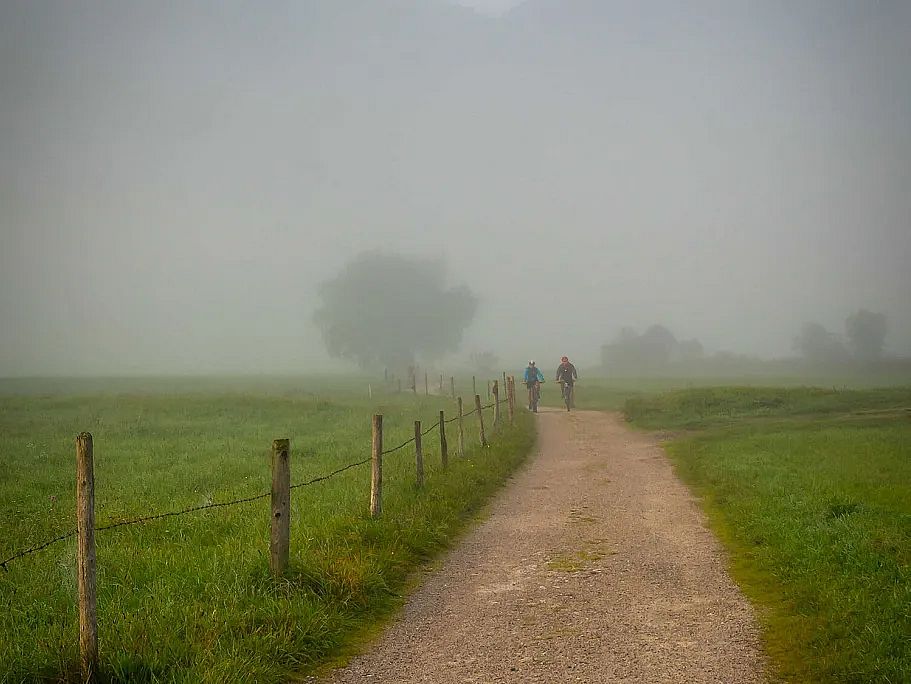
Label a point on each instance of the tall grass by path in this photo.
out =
(190, 599)
(810, 490)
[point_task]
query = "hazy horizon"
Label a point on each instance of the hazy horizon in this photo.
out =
(176, 181)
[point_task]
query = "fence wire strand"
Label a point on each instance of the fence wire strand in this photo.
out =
(35, 549)
(470, 413)
(400, 446)
(321, 478)
(411, 439)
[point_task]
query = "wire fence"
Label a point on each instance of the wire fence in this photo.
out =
(433, 427)
(234, 502)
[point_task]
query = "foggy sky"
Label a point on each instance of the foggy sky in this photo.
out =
(176, 179)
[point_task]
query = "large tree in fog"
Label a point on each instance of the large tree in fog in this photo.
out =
(385, 309)
(866, 333)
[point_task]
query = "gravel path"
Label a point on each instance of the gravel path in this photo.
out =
(593, 565)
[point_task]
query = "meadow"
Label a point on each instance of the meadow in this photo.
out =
(809, 489)
(190, 598)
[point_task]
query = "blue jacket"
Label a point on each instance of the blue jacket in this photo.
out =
(539, 375)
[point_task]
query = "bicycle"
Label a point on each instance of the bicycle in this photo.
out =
(534, 396)
(567, 391)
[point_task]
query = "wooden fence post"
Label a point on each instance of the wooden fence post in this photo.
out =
(444, 446)
(461, 429)
(426, 386)
(508, 401)
(452, 386)
(488, 390)
(85, 557)
(369, 391)
(376, 473)
(474, 385)
(418, 453)
(281, 506)
(441, 384)
(496, 403)
(477, 406)
(515, 397)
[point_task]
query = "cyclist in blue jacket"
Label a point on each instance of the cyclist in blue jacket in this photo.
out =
(533, 379)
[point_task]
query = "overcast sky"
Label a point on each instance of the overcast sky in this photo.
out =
(491, 7)
(176, 179)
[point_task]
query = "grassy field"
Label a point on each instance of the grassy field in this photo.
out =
(611, 393)
(189, 598)
(810, 490)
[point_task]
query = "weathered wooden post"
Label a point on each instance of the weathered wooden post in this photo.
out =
(496, 403)
(418, 453)
(477, 405)
(85, 557)
(376, 473)
(426, 385)
(488, 390)
(369, 391)
(508, 400)
(461, 429)
(474, 385)
(441, 384)
(452, 386)
(281, 506)
(444, 446)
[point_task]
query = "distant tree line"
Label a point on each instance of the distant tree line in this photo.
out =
(863, 340)
(657, 351)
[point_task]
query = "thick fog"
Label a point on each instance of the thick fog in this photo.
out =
(177, 179)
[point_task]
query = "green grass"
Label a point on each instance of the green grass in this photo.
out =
(712, 406)
(810, 490)
(611, 393)
(190, 599)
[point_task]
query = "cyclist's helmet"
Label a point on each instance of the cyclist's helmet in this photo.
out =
(531, 362)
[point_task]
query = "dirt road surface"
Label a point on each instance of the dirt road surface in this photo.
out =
(593, 565)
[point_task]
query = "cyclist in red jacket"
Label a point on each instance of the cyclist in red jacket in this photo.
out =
(567, 376)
